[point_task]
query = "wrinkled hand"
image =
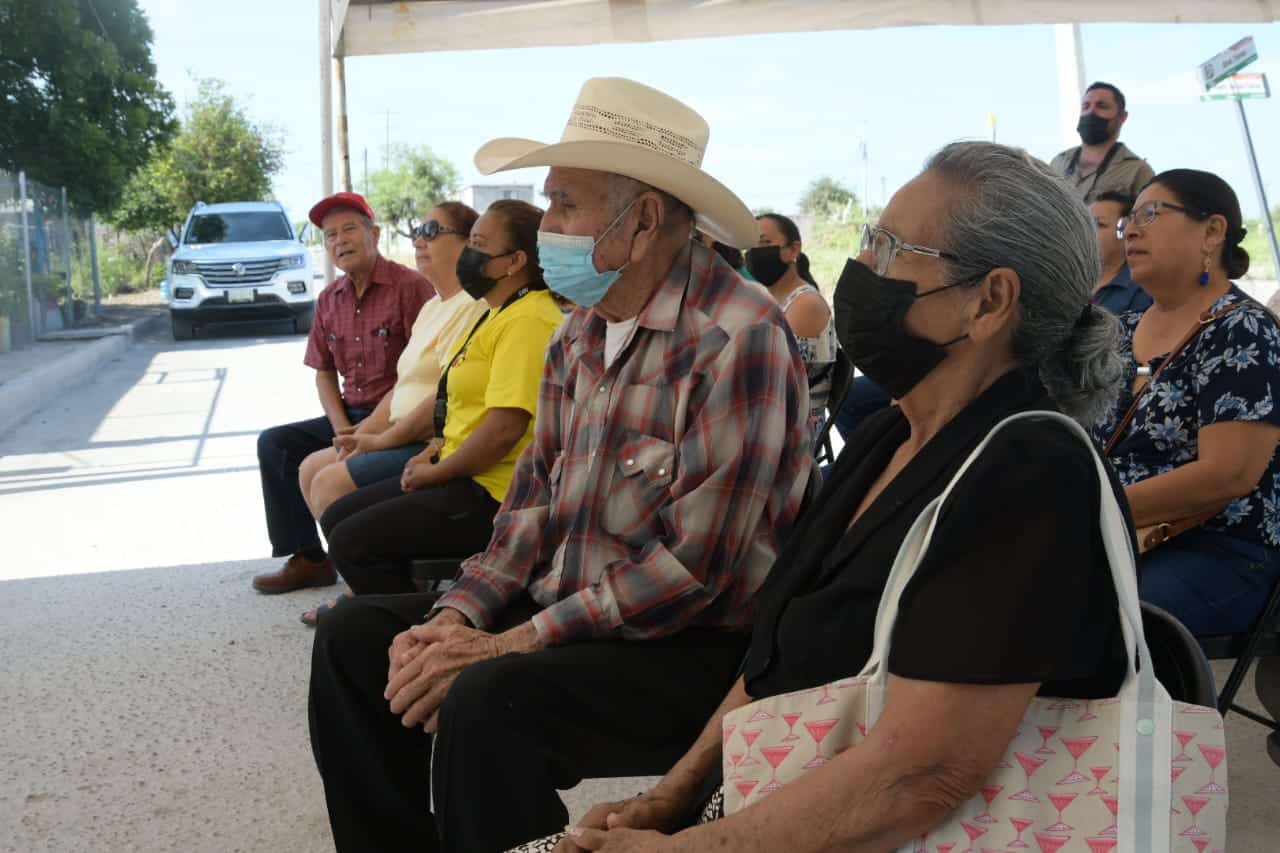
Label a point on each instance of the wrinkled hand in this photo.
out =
(355, 443)
(622, 840)
(419, 472)
(405, 647)
(653, 810)
(418, 689)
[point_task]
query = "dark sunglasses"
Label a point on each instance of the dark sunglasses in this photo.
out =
(430, 230)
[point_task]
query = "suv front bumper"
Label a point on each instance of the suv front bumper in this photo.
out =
(270, 300)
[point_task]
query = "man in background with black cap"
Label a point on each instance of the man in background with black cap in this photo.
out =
(1102, 163)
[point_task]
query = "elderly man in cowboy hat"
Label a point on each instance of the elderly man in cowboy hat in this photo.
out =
(605, 618)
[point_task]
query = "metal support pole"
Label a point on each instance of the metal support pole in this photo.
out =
(66, 259)
(344, 147)
(1257, 183)
(93, 263)
(326, 115)
(32, 316)
(1070, 79)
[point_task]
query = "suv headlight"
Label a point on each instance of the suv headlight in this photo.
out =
(297, 262)
(185, 268)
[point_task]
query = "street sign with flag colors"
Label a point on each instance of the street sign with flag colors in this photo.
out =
(1239, 86)
(1227, 63)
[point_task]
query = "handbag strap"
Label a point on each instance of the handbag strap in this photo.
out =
(1206, 318)
(1115, 537)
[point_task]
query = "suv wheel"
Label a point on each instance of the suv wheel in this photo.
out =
(182, 329)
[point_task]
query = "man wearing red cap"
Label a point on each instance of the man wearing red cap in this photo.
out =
(362, 324)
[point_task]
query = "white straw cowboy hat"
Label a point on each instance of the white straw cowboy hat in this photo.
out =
(626, 128)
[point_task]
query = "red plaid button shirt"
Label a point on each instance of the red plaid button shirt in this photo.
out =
(362, 338)
(655, 491)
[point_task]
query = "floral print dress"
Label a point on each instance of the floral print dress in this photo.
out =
(1230, 372)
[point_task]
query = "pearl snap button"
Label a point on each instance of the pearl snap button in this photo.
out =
(662, 472)
(631, 462)
(1146, 727)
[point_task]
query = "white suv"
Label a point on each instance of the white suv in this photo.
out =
(239, 262)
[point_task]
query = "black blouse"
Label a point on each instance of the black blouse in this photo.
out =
(1015, 587)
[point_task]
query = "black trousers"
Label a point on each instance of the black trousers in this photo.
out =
(512, 731)
(281, 450)
(376, 532)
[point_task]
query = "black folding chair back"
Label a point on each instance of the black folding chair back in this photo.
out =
(1263, 640)
(841, 379)
(1179, 662)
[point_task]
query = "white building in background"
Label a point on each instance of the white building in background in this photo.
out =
(480, 196)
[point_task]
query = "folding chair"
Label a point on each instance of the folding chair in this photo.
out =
(437, 573)
(1263, 640)
(1177, 659)
(841, 377)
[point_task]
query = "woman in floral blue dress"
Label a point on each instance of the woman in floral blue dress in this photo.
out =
(1205, 431)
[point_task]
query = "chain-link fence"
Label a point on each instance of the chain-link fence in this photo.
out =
(48, 263)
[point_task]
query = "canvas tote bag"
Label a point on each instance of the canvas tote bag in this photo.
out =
(1137, 773)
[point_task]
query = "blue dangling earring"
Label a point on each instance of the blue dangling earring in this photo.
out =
(1204, 276)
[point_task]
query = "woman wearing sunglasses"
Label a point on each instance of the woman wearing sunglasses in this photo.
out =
(403, 423)
(1193, 436)
(442, 501)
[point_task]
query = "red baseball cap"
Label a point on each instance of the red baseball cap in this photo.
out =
(351, 201)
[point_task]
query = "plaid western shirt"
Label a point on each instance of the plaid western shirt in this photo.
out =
(362, 338)
(656, 490)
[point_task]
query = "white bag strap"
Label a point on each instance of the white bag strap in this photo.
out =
(1145, 793)
(1115, 537)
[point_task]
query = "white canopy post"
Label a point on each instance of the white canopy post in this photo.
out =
(1070, 80)
(326, 114)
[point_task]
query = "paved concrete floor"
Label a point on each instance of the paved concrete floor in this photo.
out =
(151, 701)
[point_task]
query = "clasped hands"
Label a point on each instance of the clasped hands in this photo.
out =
(426, 659)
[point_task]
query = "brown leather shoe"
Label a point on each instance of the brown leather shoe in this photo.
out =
(297, 573)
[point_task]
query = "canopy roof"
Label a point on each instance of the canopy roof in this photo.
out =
(366, 27)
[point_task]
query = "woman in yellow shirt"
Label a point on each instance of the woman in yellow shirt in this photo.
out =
(443, 503)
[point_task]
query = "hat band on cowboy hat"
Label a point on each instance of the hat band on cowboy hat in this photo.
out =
(627, 128)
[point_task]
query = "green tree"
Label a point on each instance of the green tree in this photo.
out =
(417, 181)
(827, 198)
(80, 106)
(220, 154)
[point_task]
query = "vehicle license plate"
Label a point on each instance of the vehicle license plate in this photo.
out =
(240, 294)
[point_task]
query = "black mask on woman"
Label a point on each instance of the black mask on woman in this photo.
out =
(1093, 129)
(870, 311)
(766, 265)
(470, 270)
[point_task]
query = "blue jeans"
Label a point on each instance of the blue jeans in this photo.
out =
(1214, 583)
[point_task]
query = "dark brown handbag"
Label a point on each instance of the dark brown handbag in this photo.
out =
(1154, 535)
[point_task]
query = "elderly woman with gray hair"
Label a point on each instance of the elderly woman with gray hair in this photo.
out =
(969, 302)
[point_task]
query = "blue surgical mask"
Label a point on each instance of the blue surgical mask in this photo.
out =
(569, 268)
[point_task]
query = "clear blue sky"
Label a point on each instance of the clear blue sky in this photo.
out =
(783, 109)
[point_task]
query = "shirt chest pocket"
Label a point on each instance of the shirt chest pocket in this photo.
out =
(386, 342)
(337, 345)
(644, 472)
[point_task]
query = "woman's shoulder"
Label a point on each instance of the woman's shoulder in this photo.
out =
(1245, 330)
(536, 310)
(1040, 447)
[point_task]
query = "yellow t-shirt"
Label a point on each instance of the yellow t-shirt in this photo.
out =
(441, 324)
(500, 368)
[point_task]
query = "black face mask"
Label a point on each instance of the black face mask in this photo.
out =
(869, 315)
(766, 265)
(470, 270)
(1093, 129)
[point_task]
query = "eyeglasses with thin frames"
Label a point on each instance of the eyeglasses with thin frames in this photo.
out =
(1146, 214)
(884, 245)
